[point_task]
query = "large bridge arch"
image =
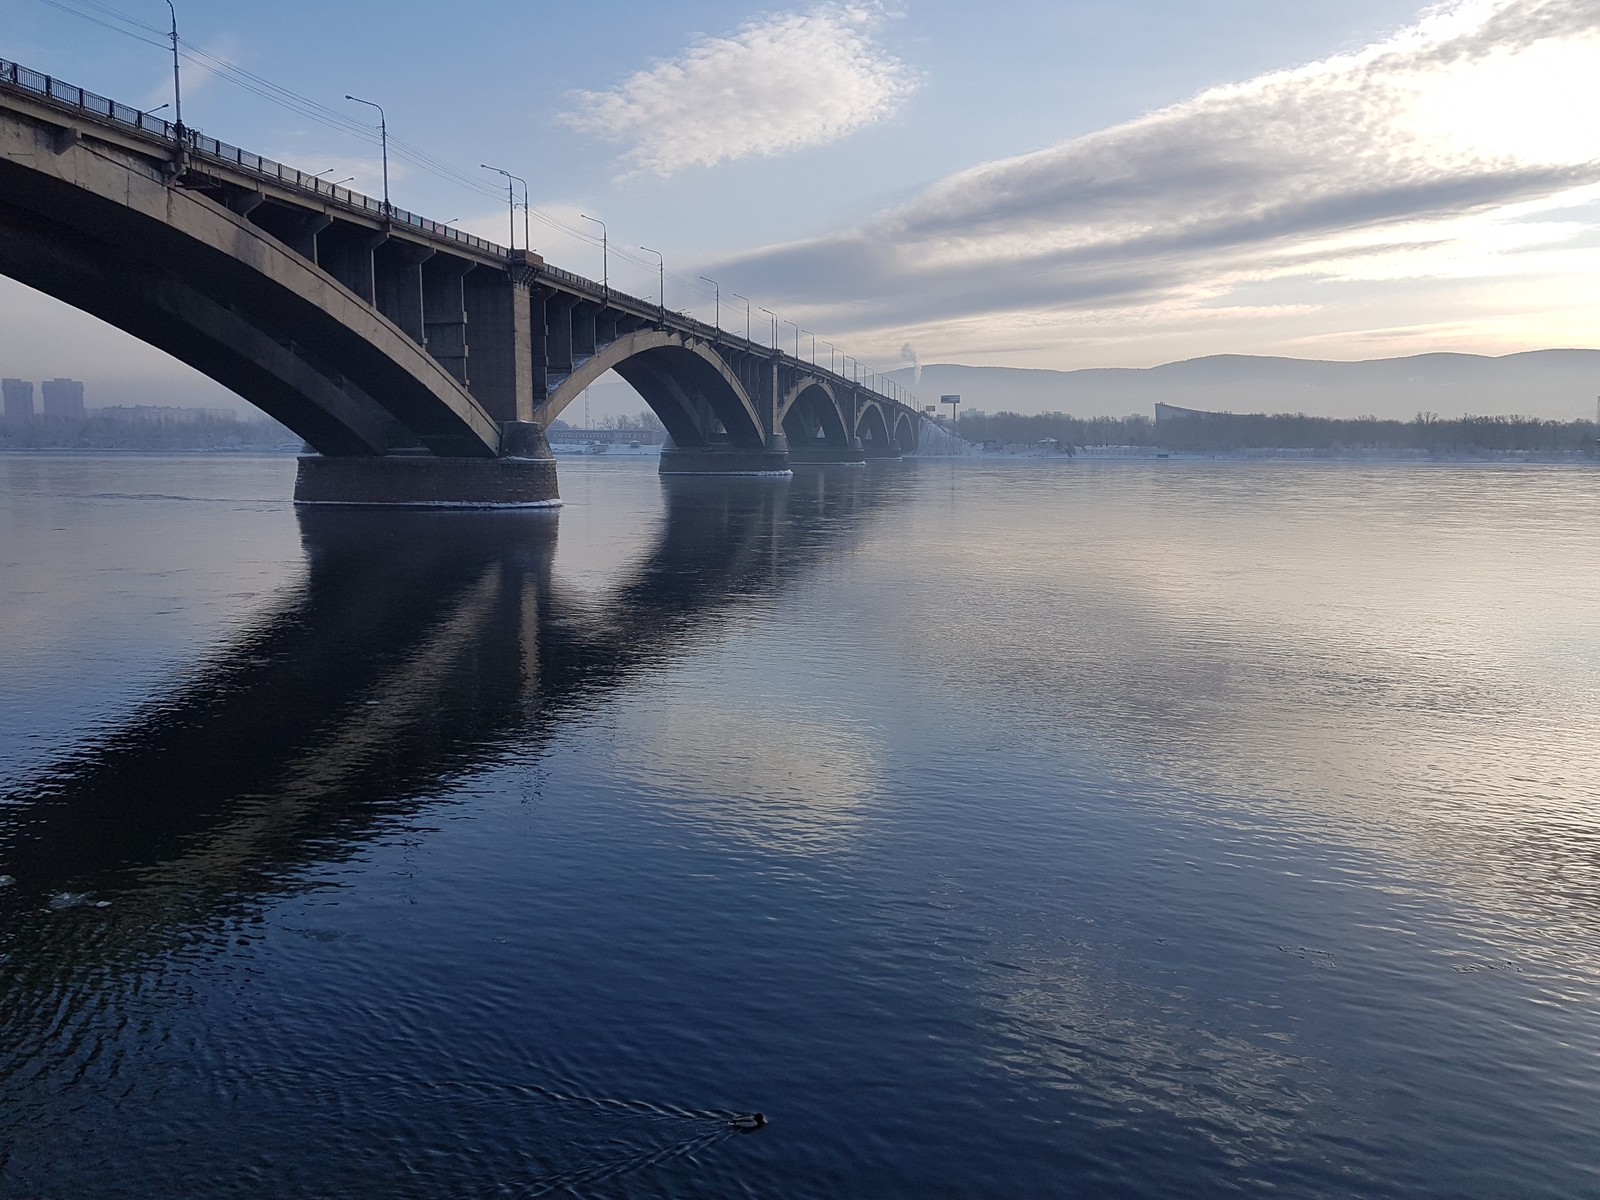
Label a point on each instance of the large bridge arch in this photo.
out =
(107, 233)
(684, 381)
(905, 433)
(873, 430)
(811, 414)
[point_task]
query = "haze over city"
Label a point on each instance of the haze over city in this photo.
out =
(1046, 186)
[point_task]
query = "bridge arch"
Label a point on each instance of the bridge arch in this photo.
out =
(811, 414)
(108, 235)
(873, 430)
(905, 433)
(684, 381)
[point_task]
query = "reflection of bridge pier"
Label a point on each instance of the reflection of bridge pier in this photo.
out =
(420, 363)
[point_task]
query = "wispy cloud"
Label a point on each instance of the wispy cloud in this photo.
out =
(780, 84)
(1411, 155)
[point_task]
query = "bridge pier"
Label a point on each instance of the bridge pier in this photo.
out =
(427, 481)
(725, 459)
(816, 452)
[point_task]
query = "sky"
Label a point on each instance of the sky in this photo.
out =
(1062, 184)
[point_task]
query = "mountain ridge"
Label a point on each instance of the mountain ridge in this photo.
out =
(1558, 383)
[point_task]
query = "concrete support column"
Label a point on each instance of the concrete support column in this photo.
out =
(538, 301)
(397, 281)
(295, 228)
(501, 343)
(444, 313)
(771, 396)
(583, 330)
(558, 333)
(345, 252)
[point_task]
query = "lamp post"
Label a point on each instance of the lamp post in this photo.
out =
(718, 287)
(829, 345)
(661, 280)
(177, 92)
(774, 317)
(796, 340)
(746, 300)
(605, 254)
(383, 138)
(511, 205)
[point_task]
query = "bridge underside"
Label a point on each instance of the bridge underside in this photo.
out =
(420, 366)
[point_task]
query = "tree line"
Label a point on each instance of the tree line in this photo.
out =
(1212, 432)
(98, 432)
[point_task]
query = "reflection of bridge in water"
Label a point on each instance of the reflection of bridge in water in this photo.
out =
(420, 362)
(422, 648)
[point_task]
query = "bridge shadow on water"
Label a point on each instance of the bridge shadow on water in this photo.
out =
(421, 648)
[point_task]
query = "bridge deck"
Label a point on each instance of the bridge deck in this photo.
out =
(139, 131)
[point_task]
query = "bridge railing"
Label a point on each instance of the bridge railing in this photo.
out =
(67, 95)
(17, 77)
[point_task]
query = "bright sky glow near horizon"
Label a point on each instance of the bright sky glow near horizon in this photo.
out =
(1045, 183)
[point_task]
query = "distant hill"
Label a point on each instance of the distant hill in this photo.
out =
(1553, 384)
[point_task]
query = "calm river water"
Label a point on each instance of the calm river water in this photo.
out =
(995, 829)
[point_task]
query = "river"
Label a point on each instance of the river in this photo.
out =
(1001, 829)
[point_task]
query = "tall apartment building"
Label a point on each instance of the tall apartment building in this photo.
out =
(63, 398)
(18, 395)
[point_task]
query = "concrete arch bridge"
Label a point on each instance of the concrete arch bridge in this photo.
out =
(419, 362)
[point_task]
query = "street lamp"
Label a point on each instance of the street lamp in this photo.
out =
(511, 205)
(796, 340)
(342, 182)
(746, 300)
(774, 317)
(177, 93)
(605, 254)
(383, 137)
(661, 280)
(829, 345)
(718, 286)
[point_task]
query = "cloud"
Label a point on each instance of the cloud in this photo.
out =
(1415, 150)
(782, 83)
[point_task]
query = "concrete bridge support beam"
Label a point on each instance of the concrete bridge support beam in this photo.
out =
(558, 334)
(295, 228)
(539, 348)
(500, 344)
(397, 283)
(444, 313)
(345, 252)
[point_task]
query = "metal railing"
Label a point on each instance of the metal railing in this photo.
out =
(16, 77)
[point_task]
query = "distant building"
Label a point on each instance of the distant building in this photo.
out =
(1171, 412)
(560, 433)
(18, 397)
(63, 398)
